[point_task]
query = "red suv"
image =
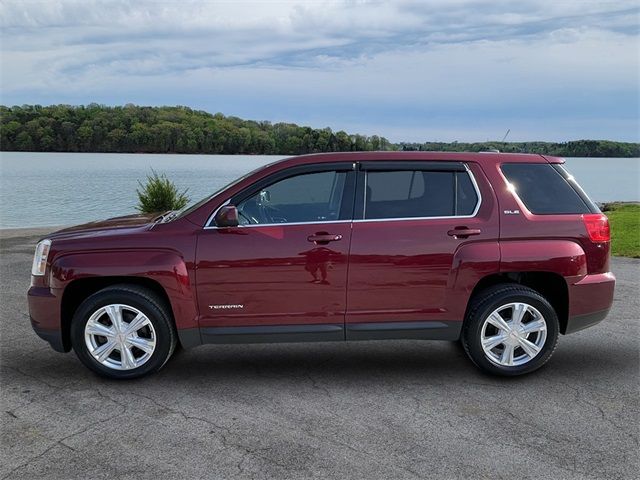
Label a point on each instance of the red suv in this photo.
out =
(501, 252)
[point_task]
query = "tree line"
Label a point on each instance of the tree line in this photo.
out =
(134, 129)
(137, 129)
(576, 148)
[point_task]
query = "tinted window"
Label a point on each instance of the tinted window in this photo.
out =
(466, 196)
(400, 185)
(542, 189)
(409, 194)
(304, 198)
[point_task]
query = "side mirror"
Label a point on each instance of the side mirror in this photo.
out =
(227, 216)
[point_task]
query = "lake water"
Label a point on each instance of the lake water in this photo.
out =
(51, 189)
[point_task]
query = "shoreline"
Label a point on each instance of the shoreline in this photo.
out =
(27, 231)
(287, 155)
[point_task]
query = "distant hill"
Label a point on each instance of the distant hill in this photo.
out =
(135, 129)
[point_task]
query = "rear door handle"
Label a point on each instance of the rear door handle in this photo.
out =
(324, 238)
(463, 232)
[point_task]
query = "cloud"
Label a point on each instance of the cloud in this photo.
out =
(389, 66)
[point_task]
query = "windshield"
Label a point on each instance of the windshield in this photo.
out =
(193, 207)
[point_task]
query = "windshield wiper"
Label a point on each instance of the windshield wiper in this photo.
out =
(162, 218)
(167, 217)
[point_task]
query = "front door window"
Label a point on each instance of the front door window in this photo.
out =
(312, 197)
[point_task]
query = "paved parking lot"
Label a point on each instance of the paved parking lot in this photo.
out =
(363, 410)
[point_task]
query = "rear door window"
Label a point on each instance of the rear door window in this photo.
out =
(543, 189)
(466, 195)
(418, 193)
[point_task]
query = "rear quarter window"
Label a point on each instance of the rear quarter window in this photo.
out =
(543, 189)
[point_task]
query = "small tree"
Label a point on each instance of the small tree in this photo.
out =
(159, 194)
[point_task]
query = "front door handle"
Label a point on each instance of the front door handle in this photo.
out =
(322, 238)
(463, 232)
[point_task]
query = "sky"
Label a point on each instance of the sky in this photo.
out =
(442, 70)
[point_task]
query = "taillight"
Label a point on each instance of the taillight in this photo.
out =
(597, 225)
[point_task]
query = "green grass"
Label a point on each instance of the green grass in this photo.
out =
(625, 228)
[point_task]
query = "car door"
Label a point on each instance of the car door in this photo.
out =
(281, 274)
(410, 219)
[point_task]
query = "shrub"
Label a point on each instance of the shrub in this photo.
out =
(159, 194)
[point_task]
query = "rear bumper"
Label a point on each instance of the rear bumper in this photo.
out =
(44, 312)
(590, 300)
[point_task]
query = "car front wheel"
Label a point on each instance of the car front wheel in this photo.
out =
(510, 330)
(123, 331)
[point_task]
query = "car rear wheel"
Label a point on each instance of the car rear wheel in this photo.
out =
(123, 331)
(510, 330)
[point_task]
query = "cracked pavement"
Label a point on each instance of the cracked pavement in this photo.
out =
(396, 409)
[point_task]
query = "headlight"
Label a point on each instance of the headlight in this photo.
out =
(40, 258)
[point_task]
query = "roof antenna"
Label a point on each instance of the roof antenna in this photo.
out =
(495, 150)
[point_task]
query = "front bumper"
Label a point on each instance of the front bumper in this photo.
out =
(590, 300)
(44, 312)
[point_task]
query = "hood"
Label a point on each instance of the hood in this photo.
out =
(126, 222)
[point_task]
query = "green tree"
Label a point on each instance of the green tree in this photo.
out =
(24, 142)
(160, 195)
(131, 128)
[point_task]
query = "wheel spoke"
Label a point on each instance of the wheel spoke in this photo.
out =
(491, 342)
(103, 351)
(507, 355)
(95, 328)
(530, 348)
(115, 315)
(144, 344)
(126, 357)
(518, 311)
(534, 326)
(137, 323)
(121, 335)
(497, 321)
(513, 334)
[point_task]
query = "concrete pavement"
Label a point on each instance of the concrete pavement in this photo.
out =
(397, 409)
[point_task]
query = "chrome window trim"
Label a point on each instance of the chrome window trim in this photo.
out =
(253, 225)
(396, 219)
(208, 225)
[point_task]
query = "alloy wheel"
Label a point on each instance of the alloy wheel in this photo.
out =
(513, 334)
(120, 337)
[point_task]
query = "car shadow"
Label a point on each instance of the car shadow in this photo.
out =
(353, 363)
(405, 361)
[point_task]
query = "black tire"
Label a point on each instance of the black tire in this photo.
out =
(490, 299)
(147, 302)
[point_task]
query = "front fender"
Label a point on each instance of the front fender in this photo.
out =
(165, 267)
